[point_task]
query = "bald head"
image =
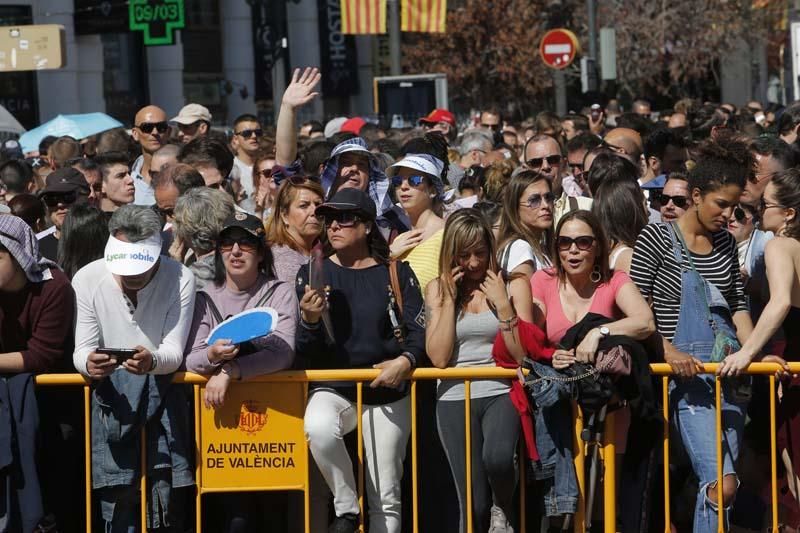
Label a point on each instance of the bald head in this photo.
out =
(626, 142)
(150, 129)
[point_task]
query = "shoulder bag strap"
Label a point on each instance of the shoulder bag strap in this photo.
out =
(212, 307)
(267, 294)
(394, 280)
(573, 203)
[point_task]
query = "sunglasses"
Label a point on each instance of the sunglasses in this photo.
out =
(534, 201)
(740, 215)
(537, 162)
(414, 181)
(169, 212)
(584, 242)
(266, 173)
(576, 168)
(246, 244)
(679, 201)
(493, 127)
(148, 127)
(344, 219)
(246, 134)
(53, 200)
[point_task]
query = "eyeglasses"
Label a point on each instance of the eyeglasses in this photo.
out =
(534, 201)
(758, 178)
(584, 242)
(54, 199)
(679, 201)
(576, 168)
(493, 127)
(414, 181)
(763, 205)
(246, 244)
(537, 162)
(345, 219)
(266, 173)
(246, 134)
(148, 127)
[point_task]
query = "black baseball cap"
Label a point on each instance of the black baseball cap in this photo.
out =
(352, 200)
(250, 223)
(63, 180)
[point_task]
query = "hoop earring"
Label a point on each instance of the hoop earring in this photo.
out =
(596, 275)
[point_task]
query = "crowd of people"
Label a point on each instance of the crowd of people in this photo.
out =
(581, 247)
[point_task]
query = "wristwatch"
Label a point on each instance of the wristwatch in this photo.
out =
(604, 331)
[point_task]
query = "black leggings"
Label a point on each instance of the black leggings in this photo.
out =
(495, 431)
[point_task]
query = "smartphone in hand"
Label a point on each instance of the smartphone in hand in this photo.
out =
(120, 354)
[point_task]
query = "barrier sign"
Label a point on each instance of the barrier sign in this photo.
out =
(158, 19)
(256, 441)
(36, 47)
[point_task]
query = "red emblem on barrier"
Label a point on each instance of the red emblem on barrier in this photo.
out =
(252, 417)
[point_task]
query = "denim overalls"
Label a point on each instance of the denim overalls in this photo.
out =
(692, 400)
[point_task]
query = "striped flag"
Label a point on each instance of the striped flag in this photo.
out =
(423, 15)
(363, 16)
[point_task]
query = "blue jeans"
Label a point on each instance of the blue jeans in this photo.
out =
(555, 466)
(693, 400)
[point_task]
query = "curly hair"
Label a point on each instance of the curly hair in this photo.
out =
(725, 160)
(497, 176)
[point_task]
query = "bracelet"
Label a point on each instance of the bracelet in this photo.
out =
(510, 324)
(411, 359)
(226, 370)
(155, 362)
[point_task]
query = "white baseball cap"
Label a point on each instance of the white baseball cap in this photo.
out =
(192, 113)
(132, 258)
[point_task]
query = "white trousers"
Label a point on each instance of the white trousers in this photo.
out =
(386, 428)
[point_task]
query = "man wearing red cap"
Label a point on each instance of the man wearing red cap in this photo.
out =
(440, 120)
(353, 125)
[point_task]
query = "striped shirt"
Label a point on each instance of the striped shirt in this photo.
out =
(658, 276)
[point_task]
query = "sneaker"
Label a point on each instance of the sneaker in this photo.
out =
(499, 522)
(347, 523)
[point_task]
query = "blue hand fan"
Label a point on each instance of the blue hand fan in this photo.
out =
(245, 326)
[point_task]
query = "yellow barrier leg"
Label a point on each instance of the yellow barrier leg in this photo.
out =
(580, 469)
(610, 476)
(143, 480)
(415, 495)
(360, 437)
(198, 498)
(87, 450)
(773, 459)
(468, 450)
(665, 407)
(718, 412)
(523, 463)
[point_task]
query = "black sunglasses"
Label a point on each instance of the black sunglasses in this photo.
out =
(148, 127)
(414, 181)
(345, 219)
(535, 200)
(164, 212)
(679, 201)
(584, 242)
(246, 134)
(53, 199)
(537, 162)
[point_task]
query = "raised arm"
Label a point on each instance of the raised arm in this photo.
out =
(299, 92)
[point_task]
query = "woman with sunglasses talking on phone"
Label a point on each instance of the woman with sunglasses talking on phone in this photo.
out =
(689, 271)
(359, 323)
(526, 225)
(419, 188)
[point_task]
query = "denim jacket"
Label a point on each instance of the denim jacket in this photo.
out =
(123, 402)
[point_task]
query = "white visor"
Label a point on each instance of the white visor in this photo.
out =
(132, 258)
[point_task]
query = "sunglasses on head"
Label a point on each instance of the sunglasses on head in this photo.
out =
(246, 244)
(246, 134)
(414, 181)
(54, 199)
(584, 242)
(535, 200)
(537, 162)
(679, 201)
(345, 219)
(148, 127)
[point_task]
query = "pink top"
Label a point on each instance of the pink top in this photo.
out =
(544, 288)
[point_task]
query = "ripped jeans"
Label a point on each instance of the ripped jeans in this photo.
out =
(693, 411)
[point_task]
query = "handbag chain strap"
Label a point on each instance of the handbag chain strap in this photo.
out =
(563, 379)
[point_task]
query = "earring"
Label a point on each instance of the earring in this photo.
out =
(596, 275)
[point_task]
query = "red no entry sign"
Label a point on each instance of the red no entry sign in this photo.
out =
(558, 48)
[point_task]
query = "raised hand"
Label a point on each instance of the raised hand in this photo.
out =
(301, 90)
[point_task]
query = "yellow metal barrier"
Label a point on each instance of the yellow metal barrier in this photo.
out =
(365, 375)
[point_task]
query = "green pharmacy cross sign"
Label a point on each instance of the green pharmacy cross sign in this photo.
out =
(158, 19)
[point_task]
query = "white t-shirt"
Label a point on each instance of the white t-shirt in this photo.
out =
(160, 321)
(245, 178)
(517, 252)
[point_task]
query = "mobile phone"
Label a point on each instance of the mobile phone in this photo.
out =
(596, 111)
(760, 117)
(120, 354)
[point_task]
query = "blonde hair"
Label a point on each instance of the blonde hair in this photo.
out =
(498, 174)
(464, 230)
(277, 232)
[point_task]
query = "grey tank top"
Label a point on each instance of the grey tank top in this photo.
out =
(475, 335)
